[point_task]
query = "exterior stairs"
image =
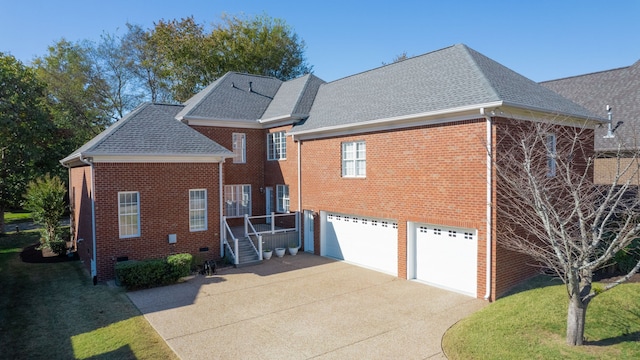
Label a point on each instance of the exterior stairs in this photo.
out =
(247, 254)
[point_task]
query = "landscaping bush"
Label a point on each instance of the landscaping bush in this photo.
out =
(152, 273)
(180, 264)
(627, 258)
(57, 246)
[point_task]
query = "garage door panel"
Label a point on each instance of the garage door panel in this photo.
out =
(361, 240)
(447, 257)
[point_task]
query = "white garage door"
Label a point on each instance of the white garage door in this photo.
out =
(447, 257)
(364, 241)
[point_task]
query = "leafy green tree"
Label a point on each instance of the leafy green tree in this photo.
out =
(25, 130)
(188, 54)
(76, 93)
(261, 45)
(45, 200)
(117, 85)
(146, 64)
(191, 58)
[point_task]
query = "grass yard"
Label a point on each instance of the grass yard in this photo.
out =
(53, 311)
(531, 324)
(16, 217)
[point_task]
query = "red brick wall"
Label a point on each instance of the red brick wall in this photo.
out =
(511, 268)
(252, 172)
(283, 172)
(430, 174)
(80, 201)
(164, 209)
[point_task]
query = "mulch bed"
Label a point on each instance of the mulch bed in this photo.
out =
(605, 277)
(31, 254)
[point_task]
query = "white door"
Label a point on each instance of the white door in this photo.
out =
(308, 231)
(268, 193)
(446, 257)
(365, 241)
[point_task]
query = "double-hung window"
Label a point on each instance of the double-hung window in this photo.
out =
(354, 159)
(551, 155)
(237, 200)
(282, 196)
(198, 210)
(129, 214)
(239, 148)
(276, 146)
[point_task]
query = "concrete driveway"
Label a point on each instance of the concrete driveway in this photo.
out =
(303, 307)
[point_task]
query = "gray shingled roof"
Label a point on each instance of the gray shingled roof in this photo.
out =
(234, 96)
(619, 88)
(453, 77)
(150, 129)
(294, 97)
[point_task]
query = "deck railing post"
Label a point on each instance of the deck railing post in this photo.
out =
(260, 246)
(235, 250)
(273, 222)
(298, 227)
(246, 225)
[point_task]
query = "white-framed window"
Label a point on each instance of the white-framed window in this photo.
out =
(197, 210)
(237, 200)
(129, 214)
(277, 146)
(354, 159)
(239, 148)
(551, 154)
(282, 197)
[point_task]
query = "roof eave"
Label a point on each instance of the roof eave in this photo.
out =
(282, 120)
(429, 117)
(217, 122)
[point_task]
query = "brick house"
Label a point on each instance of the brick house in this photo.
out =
(387, 169)
(620, 89)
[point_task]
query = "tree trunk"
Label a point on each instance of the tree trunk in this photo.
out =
(1, 219)
(575, 321)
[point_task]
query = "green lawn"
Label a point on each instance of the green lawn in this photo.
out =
(16, 217)
(53, 311)
(531, 324)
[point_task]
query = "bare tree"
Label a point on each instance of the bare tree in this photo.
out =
(550, 208)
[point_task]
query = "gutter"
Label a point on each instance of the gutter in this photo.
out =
(94, 265)
(489, 234)
(299, 191)
(220, 201)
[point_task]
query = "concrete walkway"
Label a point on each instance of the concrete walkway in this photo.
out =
(303, 307)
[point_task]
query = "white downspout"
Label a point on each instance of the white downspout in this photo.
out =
(94, 260)
(299, 194)
(220, 194)
(489, 235)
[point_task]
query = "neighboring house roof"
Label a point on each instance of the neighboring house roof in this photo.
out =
(293, 99)
(619, 88)
(456, 77)
(234, 96)
(149, 131)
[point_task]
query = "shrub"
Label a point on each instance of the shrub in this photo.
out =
(58, 246)
(152, 273)
(180, 264)
(45, 200)
(627, 258)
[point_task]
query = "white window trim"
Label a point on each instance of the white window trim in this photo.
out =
(550, 143)
(239, 141)
(354, 159)
(277, 146)
(282, 199)
(204, 226)
(238, 198)
(120, 214)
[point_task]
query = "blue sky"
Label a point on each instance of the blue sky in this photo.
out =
(541, 39)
